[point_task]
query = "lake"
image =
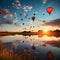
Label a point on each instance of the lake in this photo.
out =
(39, 46)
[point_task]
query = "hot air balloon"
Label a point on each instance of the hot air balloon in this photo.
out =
(22, 23)
(33, 47)
(43, 21)
(50, 55)
(43, 14)
(20, 14)
(23, 41)
(33, 18)
(49, 10)
(28, 18)
(21, 19)
(33, 26)
(30, 27)
(1, 11)
(25, 16)
(7, 6)
(13, 7)
(34, 14)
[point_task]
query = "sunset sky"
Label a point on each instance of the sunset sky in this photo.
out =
(15, 15)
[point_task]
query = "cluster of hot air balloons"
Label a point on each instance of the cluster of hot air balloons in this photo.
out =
(26, 15)
(15, 4)
(49, 10)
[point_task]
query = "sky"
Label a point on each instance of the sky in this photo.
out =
(16, 15)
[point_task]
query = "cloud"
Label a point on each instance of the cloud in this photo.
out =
(6, 14)
(55, 23)
(16, 4)
(17, 1)
(44, 1)
(7, 17)
(8, 22)
(54, 43)
(27, 8)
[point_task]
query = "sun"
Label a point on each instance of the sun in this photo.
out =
(45, 31)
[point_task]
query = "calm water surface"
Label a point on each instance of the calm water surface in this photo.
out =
(41, 44)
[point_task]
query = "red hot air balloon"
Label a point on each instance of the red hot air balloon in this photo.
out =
(49, 10)
(1, 11)
(50, 55)
(20, 14)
